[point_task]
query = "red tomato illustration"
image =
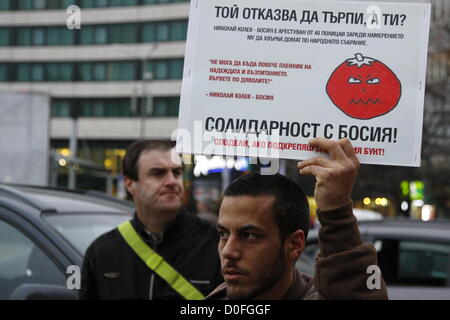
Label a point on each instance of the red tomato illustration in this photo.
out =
(364, 88)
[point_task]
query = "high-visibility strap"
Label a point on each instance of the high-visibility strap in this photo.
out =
(157, 263)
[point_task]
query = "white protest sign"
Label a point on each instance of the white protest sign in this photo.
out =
(262, 77)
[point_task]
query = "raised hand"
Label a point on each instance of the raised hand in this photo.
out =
(335, 177)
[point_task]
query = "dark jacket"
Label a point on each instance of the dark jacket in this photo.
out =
(340, 267)
(112, 270)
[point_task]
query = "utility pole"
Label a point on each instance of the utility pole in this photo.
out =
(146, 107)
(147, 98)
(73, 144)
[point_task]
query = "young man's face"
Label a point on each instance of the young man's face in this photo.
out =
(160, 181)
(251, 253)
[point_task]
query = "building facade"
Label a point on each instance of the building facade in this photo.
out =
(117, 78)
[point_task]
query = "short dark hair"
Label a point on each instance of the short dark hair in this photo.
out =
(290, 208)
(134, 151)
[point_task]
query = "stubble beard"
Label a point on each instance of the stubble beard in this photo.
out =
(269, 277)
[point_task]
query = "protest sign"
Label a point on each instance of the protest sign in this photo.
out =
(262, 77)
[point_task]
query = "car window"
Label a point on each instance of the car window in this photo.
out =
(22, 261)
(306, 262)
(414, 262)
(82, 229)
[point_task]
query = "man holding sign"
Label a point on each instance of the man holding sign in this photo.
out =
(263, 225)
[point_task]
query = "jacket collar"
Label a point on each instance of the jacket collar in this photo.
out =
(300, 288)
(171, 229)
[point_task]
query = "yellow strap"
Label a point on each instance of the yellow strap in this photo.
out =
(155, 262)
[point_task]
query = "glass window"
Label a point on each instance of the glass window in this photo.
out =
(123, 33)
(85, 108)
(148, 32)
(22, 261)
(66, 71)
(112, 109)
(127, 70)
(174, 106)
(98, 109)
(114, 3)
(38, 36)
(4, 72)
(130, 2)
(148, 65)
(161, 69)
(52, 71)
(5, 5)
(117, 108)
(421, 260)
(37, 72)
(129, 33)
(115, 34)
(178, 30)
(66, 36)
(85, 71)
(414, 262)
(4, 36)
(87, 35)
(39, 4)
(87, 3)
(24, 36)
(162, 31)
(82, 230)
(53, 37)
(160, 107)
(99, 71)
(150, 1)
(176, 69)
(67, 3)
(113, 71)
(59, 71)
(101, 35)
(100, 3)
(55, 4)
(23, 72)
(24, 4)
(61, 108)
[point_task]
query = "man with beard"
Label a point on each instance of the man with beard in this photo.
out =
(263, 225)
(163, 252)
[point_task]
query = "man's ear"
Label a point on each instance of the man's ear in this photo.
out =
(295, 244)
(129, 185)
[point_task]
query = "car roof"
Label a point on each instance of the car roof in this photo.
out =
(45, 199)
(401, 228)
(408, 228)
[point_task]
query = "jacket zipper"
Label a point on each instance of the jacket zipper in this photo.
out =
(152, 278)
(152, 281)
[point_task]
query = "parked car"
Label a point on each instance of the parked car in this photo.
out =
(43, 231)
(367, 215)
(413, 255)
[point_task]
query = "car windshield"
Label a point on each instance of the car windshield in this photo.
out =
(82, 229)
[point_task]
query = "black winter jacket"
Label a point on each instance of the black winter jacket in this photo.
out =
(112, 270)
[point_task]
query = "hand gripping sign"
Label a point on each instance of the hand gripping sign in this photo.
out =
(261, 78)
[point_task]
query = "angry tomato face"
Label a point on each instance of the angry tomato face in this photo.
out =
(364, 88)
